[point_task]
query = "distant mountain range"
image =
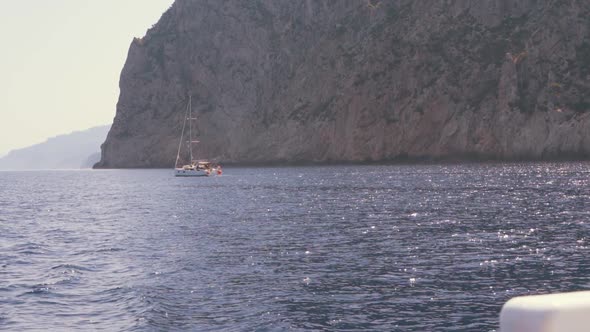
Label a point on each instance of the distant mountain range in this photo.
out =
(80, 149)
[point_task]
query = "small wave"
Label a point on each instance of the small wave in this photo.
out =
(31, 252)
(29, 249)
(46, 291)
(71, 267)
(115, 295)
(36, 291)
(110, 250)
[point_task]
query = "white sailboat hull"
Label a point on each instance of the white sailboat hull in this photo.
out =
(192, 172)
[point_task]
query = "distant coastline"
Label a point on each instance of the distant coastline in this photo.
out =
(76, 150)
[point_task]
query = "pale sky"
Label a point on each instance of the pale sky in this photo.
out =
(60, 63)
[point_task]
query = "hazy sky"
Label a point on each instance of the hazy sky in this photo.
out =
(60, 63)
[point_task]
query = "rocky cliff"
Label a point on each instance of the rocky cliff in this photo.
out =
(358, 80)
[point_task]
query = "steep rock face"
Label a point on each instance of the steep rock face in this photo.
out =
(357, 80)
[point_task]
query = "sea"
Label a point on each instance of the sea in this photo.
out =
(322, 248)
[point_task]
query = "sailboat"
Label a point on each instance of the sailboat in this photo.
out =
(194, 167)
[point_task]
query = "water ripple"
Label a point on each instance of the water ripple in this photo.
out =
(396, 248)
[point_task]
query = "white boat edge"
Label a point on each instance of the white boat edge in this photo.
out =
(560, 312)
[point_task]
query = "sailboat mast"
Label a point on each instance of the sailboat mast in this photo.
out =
(181, 137)
(190, 127)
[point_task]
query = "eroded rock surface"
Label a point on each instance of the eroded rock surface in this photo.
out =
(358, 80)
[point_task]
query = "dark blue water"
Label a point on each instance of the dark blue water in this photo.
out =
(389, 248)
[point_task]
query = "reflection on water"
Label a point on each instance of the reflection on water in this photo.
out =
(391, 248)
